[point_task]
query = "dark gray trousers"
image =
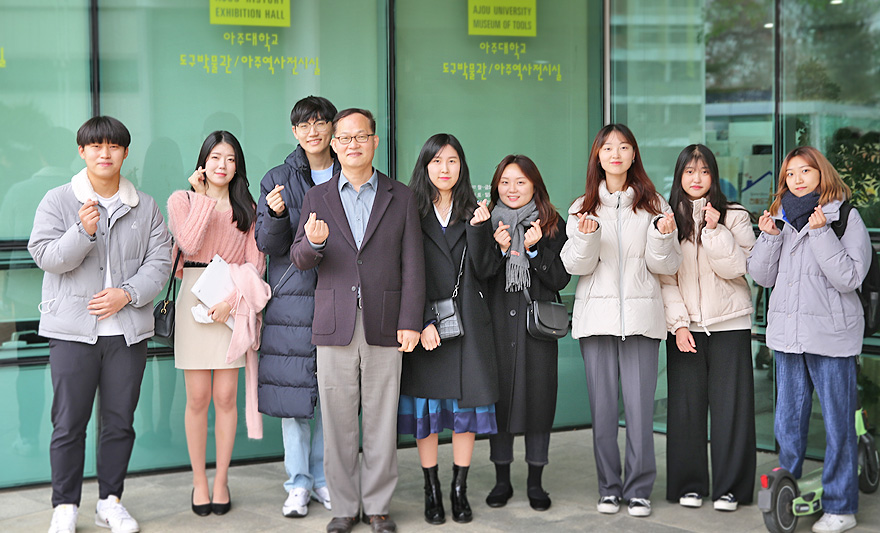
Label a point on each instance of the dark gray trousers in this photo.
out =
(632, 362)
(78, 371)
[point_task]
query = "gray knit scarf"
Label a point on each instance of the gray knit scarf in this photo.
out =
(519, 221)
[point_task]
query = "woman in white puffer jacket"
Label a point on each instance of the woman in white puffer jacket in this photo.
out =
(619, 242)
(708, 352)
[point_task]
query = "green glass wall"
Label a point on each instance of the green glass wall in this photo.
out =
(752, 81)
(44, 96)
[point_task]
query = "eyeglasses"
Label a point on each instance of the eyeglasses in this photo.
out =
(321, 126)
(361, 138)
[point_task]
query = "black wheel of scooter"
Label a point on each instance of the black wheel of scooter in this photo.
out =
(869, 464)
(781, 519)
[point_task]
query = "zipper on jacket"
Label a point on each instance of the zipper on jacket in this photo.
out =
(620, 267)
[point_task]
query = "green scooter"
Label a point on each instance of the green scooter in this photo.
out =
(783, 499)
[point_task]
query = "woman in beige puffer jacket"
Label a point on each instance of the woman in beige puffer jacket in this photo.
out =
(619, 242)
(708, 307)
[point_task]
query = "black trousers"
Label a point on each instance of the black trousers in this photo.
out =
(78, 370)
(717, 380)
(537, 448)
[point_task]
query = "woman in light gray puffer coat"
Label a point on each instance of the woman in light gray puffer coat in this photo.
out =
(815, 321)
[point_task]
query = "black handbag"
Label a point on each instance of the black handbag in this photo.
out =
(446, 311)
(546, 321)
(163, 311)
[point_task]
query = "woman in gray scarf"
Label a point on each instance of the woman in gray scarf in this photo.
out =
(529, 235)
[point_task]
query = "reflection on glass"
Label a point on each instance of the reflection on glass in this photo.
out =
(831, 90)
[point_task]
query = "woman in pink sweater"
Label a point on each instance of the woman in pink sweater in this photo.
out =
(215, 217)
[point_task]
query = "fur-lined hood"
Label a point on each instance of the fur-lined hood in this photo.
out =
(83, 190)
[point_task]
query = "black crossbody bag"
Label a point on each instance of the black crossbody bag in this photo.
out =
(546, 321)
(163, 311)
(449, 324)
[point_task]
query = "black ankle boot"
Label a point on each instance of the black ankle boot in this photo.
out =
(434, 513)
(461, 509)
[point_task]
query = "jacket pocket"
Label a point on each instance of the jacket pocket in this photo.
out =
(390, 312)
(838, 317)
(324, 322)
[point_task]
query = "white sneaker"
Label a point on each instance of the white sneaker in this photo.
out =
(608, 504)
(297, 503)
(726, 503)
(64, 518)
(111, 514)
(639, 507)
(322, 494)
(834, 523)
(691, 499)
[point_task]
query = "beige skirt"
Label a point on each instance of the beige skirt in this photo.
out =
(198, 346)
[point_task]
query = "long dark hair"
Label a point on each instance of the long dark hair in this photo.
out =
(679, 200)
(464, 202)
(243, 208)
(636, 178)
(546, 212)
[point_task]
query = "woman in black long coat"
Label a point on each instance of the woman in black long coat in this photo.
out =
(529, 235)
(453, 383)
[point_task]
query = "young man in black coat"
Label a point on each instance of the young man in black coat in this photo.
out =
(288, 387)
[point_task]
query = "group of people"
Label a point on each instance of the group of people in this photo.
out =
(406, 307)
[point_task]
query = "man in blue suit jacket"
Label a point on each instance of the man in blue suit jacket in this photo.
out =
(362, 230)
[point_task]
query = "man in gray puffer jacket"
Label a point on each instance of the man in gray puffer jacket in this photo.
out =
(106, 255)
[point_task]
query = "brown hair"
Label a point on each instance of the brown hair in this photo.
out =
(636, 178)
(546, 212)
(831, 185)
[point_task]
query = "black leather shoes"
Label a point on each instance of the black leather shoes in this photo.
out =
(222, 508)
(203, 509)
(380, 523)
(341, 524)
(499, 495)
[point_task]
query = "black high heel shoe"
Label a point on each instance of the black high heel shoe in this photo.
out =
(222, 508)
(203, 509)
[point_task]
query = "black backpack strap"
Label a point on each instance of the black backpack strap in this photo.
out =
(839, 225)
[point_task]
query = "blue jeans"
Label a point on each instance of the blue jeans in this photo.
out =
(834, 379)
(303, 452)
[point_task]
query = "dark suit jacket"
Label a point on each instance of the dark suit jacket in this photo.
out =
(389, 267)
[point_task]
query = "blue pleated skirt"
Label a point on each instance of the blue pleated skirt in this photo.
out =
(421, 417)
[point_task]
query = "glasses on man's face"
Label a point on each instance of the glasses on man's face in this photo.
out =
(362, 138)
(321, 126)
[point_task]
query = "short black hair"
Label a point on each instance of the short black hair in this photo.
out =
(312, 107)
(103, 129)
(355, 111)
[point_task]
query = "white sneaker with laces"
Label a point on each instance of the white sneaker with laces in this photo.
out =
(639, 507)
(726, 503)
(834, 523)
(297, 503)
(691, 499)
(112, 515)
(322, 494)
(608, 504)
(64, 518)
